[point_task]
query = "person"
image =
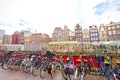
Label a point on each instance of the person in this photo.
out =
(85, 70)
(108, 70)
(117, 70)
(69, 66)
(85, 66)
(79, 66)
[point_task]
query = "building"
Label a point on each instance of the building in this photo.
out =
(2, 32)
(113, 31)
(7, 39)
(36, 38)
(85, 35)
(93, 33)
(27, 37)
(45, 38)
(57, 34)
(15, 37)
(21, 40)
(71, 36)
(78, 33)
(65, 33)
(60, 34)
(103, 33)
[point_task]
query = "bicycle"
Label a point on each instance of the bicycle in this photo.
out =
(48, 65)
(44, 67)
(36, 66)
(5, 60)
(67, 70)
(85, 70)
(78, 69)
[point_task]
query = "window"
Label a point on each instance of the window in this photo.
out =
(109, 28)
(91, 34)
(95, 30)
(75, 27)
(96, 34)
(113, 27)
(79, 30)
(118, 26)
(118, 37)
(91, 30)
(91, 39)
(97, 38)
(114, 31)
(110, 33)
(118, 31)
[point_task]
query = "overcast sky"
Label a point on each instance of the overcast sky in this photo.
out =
(44, 15)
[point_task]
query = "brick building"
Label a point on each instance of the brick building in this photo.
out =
(113, 31)
(15, 37)
(60, 34)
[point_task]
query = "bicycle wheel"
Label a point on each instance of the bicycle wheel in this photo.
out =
(10, 65)
(36, 71)
(4, 65)
(43, 71)
(52, 73)
(29, 69)
(83, 77)
(22, 66)
(16, 66)
(64, 75)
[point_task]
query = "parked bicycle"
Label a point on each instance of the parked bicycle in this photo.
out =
(85, 69)
(67, 70)
(78, 70)
(48, 65)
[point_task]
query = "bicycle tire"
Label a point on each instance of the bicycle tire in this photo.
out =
(22, 66)
(10, 65)
(4, 65)
(42, 73)
(36, 71)
(63, 74)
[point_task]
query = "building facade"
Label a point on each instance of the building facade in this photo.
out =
(93, 33)
(27, 37)
(45, 38)
(85, 35)
(71, 36)
(15, 37)
(78, 33)
(36, 38)
(103, 33)
(57, 34)
(21, 41)
(65, 33)
(60, 34)
(2, 32)
(113, 31)
(7, 39)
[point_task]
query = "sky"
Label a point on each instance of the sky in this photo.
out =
(44, 15)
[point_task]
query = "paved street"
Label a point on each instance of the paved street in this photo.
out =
(17, 75)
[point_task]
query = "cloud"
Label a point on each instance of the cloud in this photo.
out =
(42, 15)
(106, 6)
(99, 11)
(45, 15)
